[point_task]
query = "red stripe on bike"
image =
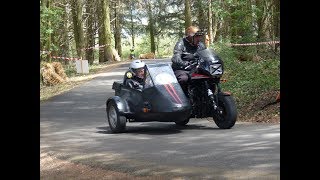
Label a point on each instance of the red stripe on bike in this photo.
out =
(199, 75)
(168, 90)
(175, 93)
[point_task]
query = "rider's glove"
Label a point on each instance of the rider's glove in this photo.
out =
(186, 63)
(188, 57)
(135, 84)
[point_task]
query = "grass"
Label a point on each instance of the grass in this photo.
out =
(249, 79)
(253, 84)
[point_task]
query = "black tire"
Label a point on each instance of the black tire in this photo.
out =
(228, 118)
(116, 122)
(182, 123)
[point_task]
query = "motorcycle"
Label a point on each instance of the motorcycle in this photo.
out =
(205, 93)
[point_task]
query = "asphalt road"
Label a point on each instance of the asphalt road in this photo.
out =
(73, 127)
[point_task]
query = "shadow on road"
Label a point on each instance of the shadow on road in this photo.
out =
(149, 130)
(157, 129)
(197, 126)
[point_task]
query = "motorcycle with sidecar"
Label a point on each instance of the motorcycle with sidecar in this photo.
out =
(162, 98)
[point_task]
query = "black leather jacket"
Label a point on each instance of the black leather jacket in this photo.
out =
(183, 46)
(133, 81)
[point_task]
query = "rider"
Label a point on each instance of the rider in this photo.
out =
(180, 60)
(132, 53)
(134, 76)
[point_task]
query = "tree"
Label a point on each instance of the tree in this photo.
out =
(100, 31)
(90, 31)
(45, 4)
(107, 31)
(52, 29)
(210, 24)
(65, 33)
(151, 27)
(132, 24)
(187, 14)
(78, 26)
(117, 26)
(201, 12)
(276, 21)
(122, 24)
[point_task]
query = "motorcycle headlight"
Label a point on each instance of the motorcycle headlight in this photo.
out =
(216, 69)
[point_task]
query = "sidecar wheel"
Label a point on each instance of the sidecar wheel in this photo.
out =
(116, 122)
(182, 123)
(228, 117)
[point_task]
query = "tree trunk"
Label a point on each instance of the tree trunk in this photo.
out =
(187, 14)
(117, 27)
(268, 20)
(254, 19)
(90, 32)
(215, 26)
(210, 24)
(100, 31)
(107, 31)
(276, 22)
(151, 28)
(43, 41)
(260, 21)
(157, 46)
(233, 24)
(261, 24)
(201, 12)
(132, 27)
(226, 21)
(66, 43)
(219, 24)
(78, 27)
(48, 44)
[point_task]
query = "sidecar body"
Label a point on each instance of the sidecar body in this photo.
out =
(161, 99)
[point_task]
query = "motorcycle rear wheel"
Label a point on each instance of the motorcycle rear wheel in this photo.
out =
(228, 118)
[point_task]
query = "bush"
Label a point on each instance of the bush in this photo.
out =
(248, 80)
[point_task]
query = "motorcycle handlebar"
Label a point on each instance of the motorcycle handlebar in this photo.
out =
(192, 64)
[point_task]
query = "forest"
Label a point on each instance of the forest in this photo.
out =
(91, 29)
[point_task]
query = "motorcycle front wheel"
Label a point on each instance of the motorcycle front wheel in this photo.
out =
(226, 115)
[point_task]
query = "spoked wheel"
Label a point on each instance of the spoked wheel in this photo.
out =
(226, 115)
(116, 122)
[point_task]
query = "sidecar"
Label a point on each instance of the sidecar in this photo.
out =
(161, 99)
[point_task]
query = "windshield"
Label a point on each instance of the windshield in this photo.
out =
(211, 62)
(209, 55)
(158, 74)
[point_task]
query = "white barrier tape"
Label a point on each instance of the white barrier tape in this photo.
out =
(59, 57)
(65, 58)
(253, 44)
(82, 49)
(98, 47)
